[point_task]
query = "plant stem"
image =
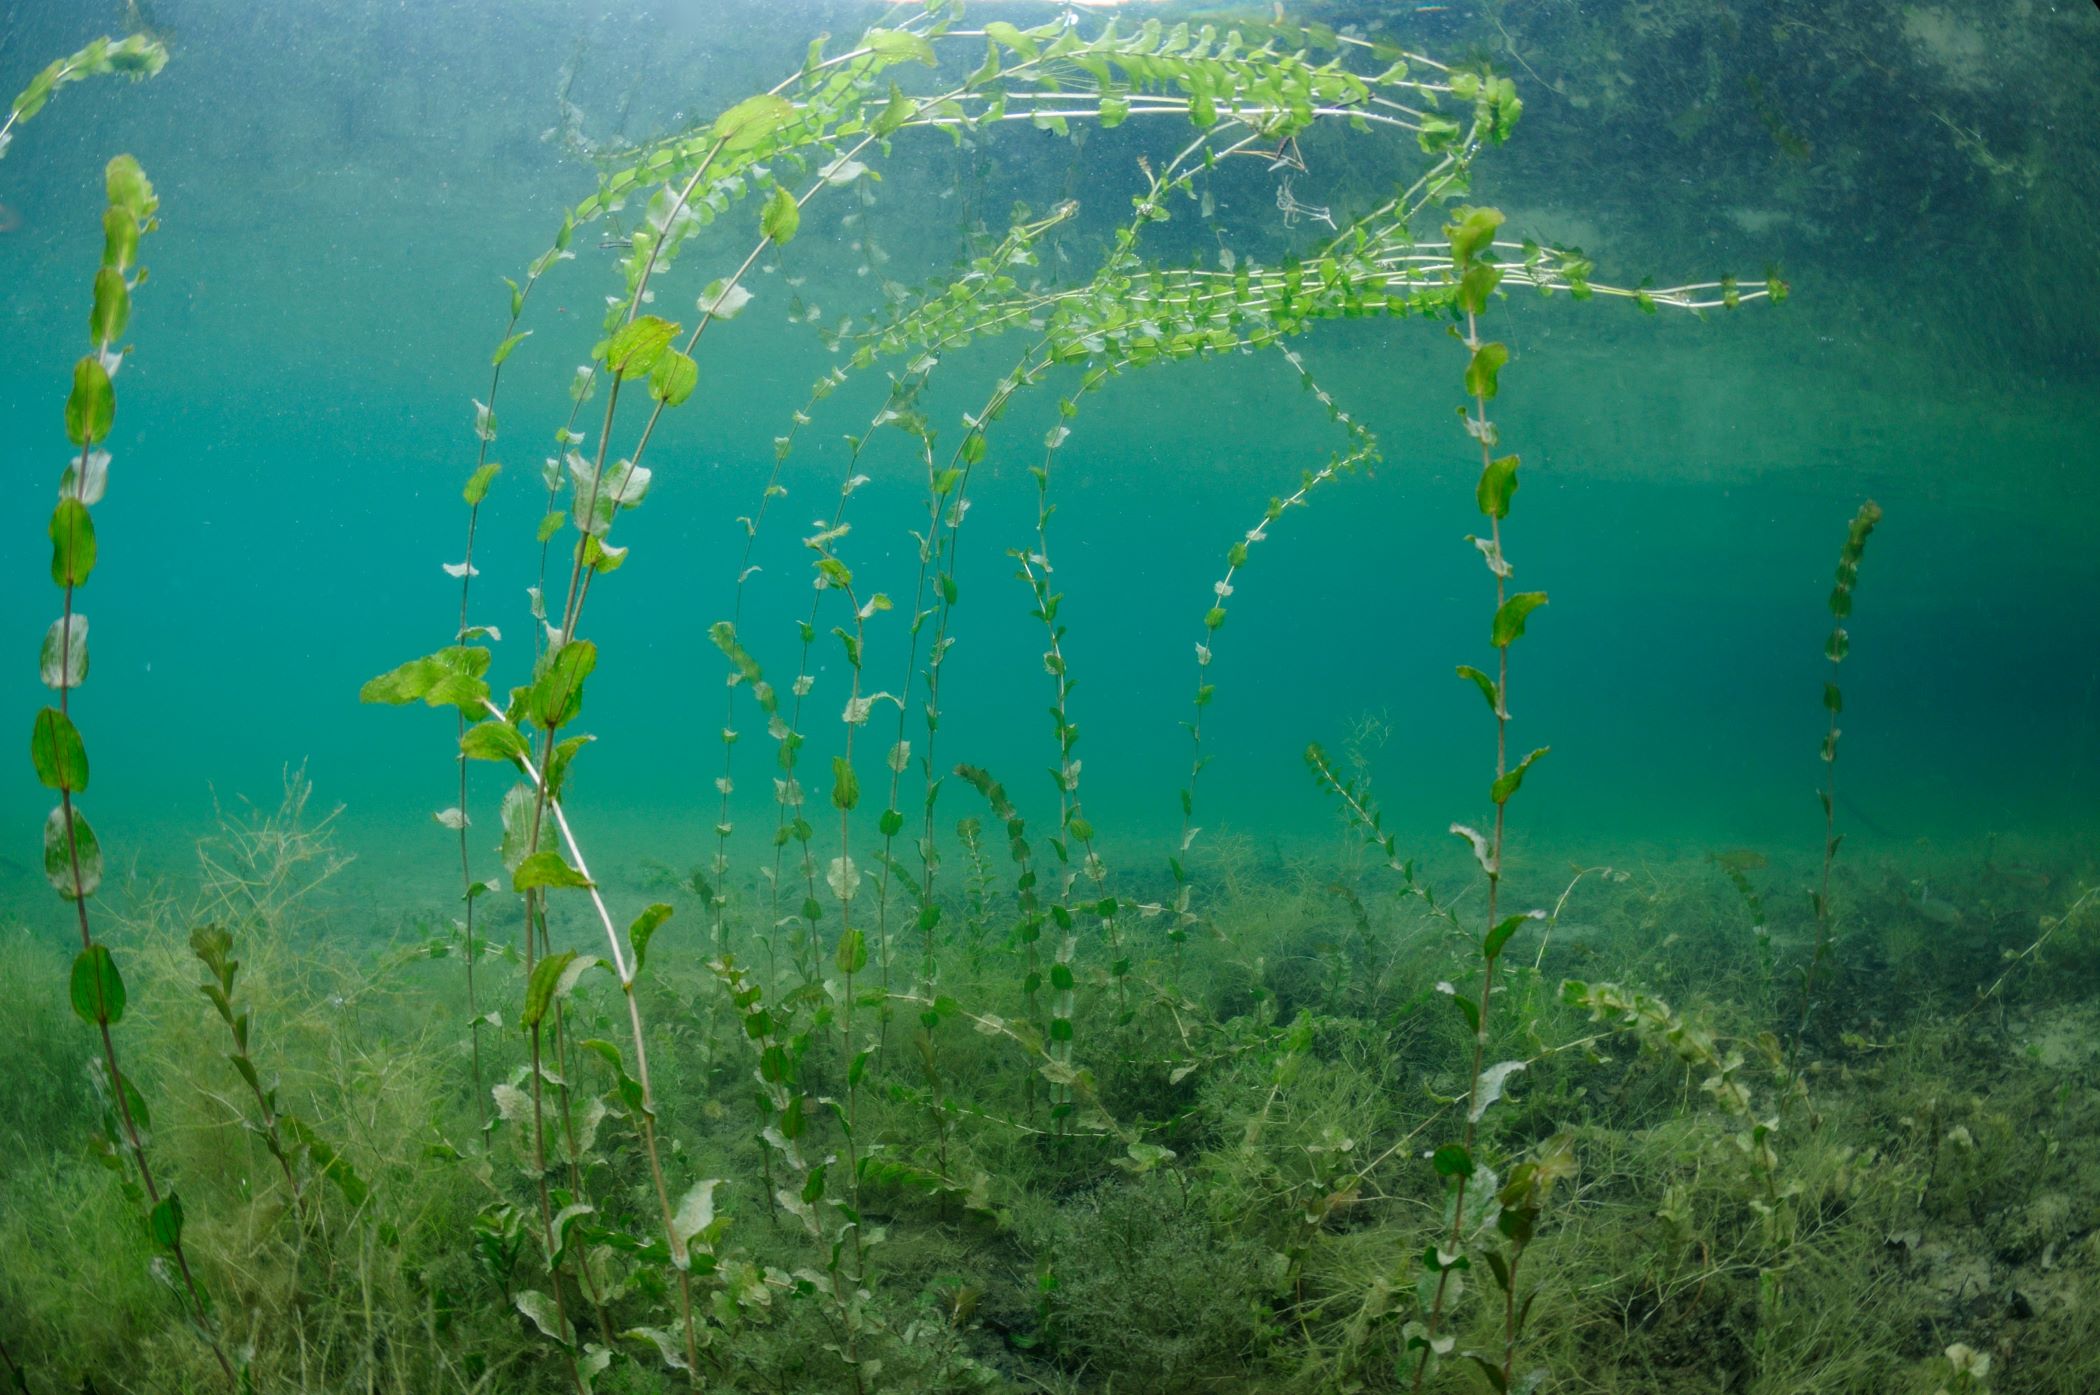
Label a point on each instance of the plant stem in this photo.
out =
(551, 1241)
(1492, 866)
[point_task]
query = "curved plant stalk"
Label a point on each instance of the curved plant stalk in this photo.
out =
(1361, 813)
(72, 853)
(1835, 649)
(2050, 924)
(1364, 450)
(1034, 571)
(136, 56)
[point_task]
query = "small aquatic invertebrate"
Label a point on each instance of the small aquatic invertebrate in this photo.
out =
(1293, 210)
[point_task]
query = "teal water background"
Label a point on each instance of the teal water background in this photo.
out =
(343, 190)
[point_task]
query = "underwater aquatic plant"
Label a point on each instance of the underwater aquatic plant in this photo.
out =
(1248, 92)
(837, 107)
(288, 1138)
(135, 56)
(1299, 1279)
(1471, 236)
(73, 857)
(1835, 649)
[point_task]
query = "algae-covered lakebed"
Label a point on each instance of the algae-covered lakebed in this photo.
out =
(1118, 697)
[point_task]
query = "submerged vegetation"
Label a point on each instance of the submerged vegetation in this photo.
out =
(917, 1089)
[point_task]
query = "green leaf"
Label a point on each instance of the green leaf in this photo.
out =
(636, 345)
(72, 533)
(332, 1164)
(673, 378)
(781, 217)
(557, 694)
(540, 989)
(478, 483)
(547, 868)
(129, 189)
(1469, 1010)
(1484, 683)
(211, 944)
(999, 31)
(97, 989)
(630, 1088)
(1477, 285)
(557, 771)
(164, 1222)
(112, 308)
(61, 854)
(503, 350)
(449, 678)
(92, 405)
(899, 110)
(1509, 616)
(1508, 783)
(120, 239)
(750, 121)
(58, 754)
(1481, 379)
(1452, 1160)
(644, 930)
(852, 952)
(845, 785)
(1472, 233)
(899, 46)
(494, 740)
(1491, 947)
(1497, 483)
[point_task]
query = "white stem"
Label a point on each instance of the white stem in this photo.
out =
(568, 838)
